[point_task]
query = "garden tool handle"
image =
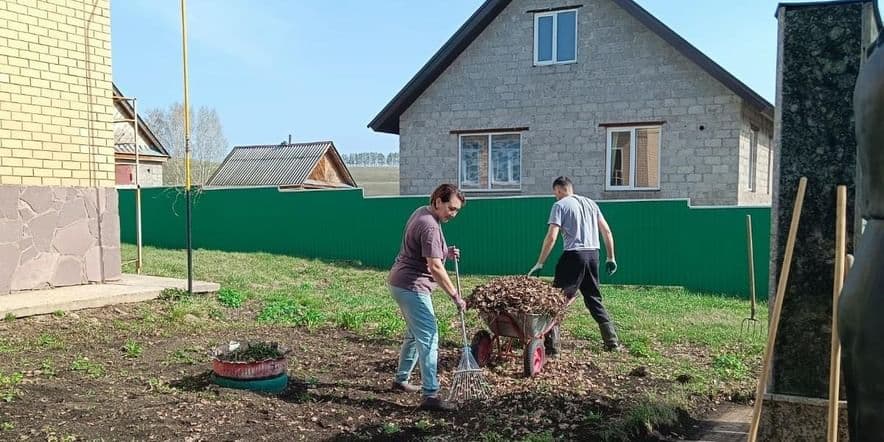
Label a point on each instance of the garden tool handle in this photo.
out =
(463, 324)
(753, 307)
(751, 256)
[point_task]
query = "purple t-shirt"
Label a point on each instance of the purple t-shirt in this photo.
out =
(422, 239)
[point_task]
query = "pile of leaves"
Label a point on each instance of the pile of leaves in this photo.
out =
(516, 294)
(252, 352)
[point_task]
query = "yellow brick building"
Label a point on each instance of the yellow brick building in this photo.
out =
(56, 108)
(56, 144)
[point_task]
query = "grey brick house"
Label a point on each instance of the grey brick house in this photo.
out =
(599, 90)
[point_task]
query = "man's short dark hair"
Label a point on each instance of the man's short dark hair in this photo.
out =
(445, 192)
(562, 181)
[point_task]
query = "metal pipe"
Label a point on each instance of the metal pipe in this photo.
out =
(187, 193)
(139, 262)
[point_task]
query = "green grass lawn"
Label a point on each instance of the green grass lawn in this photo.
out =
(670, 331)
(377, 181)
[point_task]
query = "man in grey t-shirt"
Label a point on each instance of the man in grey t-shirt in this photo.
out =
(580, 221)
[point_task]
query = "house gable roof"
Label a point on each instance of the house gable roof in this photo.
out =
(128, 148)
(278, 165)
(387, 120)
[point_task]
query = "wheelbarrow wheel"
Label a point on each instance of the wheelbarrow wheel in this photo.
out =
(481, 347)
(535, 357)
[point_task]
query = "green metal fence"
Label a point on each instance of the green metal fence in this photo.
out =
(662, 242)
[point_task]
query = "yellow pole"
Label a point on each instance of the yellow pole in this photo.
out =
(187, 182)
(186, 97)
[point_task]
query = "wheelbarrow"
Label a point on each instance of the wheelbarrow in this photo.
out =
(536, 332)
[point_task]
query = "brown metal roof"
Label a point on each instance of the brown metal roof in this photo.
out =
(387, 120)
(274, 165)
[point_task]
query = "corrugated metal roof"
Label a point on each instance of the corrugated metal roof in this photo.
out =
(269, 165)
(129, 148)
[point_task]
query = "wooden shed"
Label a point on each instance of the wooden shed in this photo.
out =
(316, 165)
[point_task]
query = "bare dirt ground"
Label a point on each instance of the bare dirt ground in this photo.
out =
(129, 373)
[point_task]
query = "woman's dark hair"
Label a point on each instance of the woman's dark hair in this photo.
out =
(445, 191)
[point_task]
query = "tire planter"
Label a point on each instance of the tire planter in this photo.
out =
(276, 384)
(245, 370)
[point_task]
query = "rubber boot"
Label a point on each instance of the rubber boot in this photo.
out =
(551, 343)
(609, 336)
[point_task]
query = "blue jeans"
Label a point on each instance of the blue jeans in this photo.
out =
(421, 343)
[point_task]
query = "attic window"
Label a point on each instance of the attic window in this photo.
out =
(555, 37)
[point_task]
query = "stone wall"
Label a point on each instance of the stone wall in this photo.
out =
(821, 51)
(57, 236)
(820, 46)
(624, 73)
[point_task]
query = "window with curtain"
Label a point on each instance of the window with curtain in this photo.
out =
(491, 161)
(753, 158)
(633, 158)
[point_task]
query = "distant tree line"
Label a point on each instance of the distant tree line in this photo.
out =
(371, 159)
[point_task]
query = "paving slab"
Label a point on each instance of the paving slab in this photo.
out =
(130, 288)
(729, 424)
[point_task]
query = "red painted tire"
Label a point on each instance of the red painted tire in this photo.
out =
(535, 357)
(250, 370)
(482, 347)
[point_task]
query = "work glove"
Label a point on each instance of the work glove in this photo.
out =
(459, 302)
(536, 268)
(611, 266)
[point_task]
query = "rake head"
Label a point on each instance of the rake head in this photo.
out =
(468, 383)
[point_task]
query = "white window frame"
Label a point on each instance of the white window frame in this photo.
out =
(752, 185)
(488, 185)
(555, 29)
(632, 157)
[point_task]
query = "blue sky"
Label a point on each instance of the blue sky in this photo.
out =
(322, 69)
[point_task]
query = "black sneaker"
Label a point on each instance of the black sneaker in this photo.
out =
(613, 347)
(433, 403)
(404, 387)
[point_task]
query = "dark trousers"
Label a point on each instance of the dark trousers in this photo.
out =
(579, 270)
